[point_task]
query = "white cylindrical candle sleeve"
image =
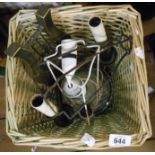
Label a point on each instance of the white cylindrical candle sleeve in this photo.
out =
(97, 28)
(70, 61)
(39, 104)
(69, 44)
(67, 64)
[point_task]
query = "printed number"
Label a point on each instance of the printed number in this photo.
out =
(119, 141)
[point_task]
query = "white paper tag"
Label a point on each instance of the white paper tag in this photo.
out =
(132, 67)
(34, 148)
(139, 52)
(88, 139)
(150, 90)
(119, 140)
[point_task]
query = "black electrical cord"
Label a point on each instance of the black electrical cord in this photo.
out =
(103, 106)
(127, 52)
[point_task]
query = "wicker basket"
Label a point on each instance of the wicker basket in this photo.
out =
(130, 114)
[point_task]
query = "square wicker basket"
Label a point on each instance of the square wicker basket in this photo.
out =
(130, 114)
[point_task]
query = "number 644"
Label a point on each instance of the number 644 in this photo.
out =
(119, 141)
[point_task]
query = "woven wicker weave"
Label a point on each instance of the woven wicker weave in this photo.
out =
(130, 114)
